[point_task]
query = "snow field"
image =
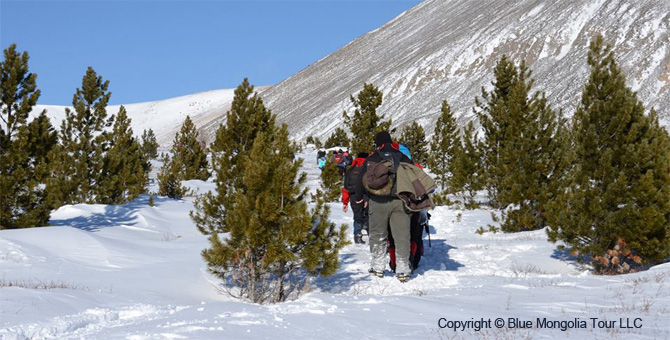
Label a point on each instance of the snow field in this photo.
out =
(134, 272)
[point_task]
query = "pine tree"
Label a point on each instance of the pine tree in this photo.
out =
(494, 119)
(169, 178)
(443, 146)
(19, 93)
(149, 144)
(246, 118)
(22, 198)
(414, 137)
(467, 166)
(314, 140)
(338, 138)
(617, 199)
(42, 138)
(83, 142)
(365, 122)
(331, 181)
(188, 152)
(274, 243)
(521, 147)
(125, 167)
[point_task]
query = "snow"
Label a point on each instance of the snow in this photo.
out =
(134, 272)
(576, 27)
(533, 12)
(165, 116)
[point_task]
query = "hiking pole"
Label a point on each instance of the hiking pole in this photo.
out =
(428, 232)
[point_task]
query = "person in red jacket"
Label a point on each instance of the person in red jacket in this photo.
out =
(360, 210)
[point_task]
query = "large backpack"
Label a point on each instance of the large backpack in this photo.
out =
(380, 177)
(351, 177)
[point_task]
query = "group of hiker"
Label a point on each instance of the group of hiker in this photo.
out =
(342, 159)
(389, 197)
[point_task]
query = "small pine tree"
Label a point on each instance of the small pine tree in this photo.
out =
(274, 243)
(125, 168)
(338, 138)
(495, 121)
(42, 138)
(83, 142)
(365, 122)
(151, 202)
(522, 148)
(149, 144)
(467, 167)
(246, 118)
(443, 146)
(617, 198)
(331, 181)
(22, 198)
(414, 136)
(169, 178)
(190, 153)
(314, 140)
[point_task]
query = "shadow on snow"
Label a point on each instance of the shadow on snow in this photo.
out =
(435, 258)
(342, 280)
(114, 215)
(563, 255)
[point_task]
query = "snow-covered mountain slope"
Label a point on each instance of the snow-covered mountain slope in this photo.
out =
(134, 272)
(446, 49)
(165, 116)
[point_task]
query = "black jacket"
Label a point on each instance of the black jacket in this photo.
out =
(376, 157)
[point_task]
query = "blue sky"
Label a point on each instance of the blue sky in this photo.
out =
(151, 50)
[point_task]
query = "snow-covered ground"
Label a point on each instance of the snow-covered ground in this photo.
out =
(134, 272)
(165, 117)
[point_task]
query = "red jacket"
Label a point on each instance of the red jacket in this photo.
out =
(345, 194)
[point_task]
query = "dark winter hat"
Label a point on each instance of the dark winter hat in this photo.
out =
(383, 138)
(362, 155)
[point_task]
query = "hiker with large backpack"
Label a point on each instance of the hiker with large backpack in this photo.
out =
(418, 224)
(360, 209)
(386, 209)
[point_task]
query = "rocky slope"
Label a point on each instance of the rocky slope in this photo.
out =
(446, 49)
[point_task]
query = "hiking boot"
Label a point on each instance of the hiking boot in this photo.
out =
(376, 273)
(358, 239)
(403, 277)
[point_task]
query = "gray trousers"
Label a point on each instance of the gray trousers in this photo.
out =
(385, 212)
